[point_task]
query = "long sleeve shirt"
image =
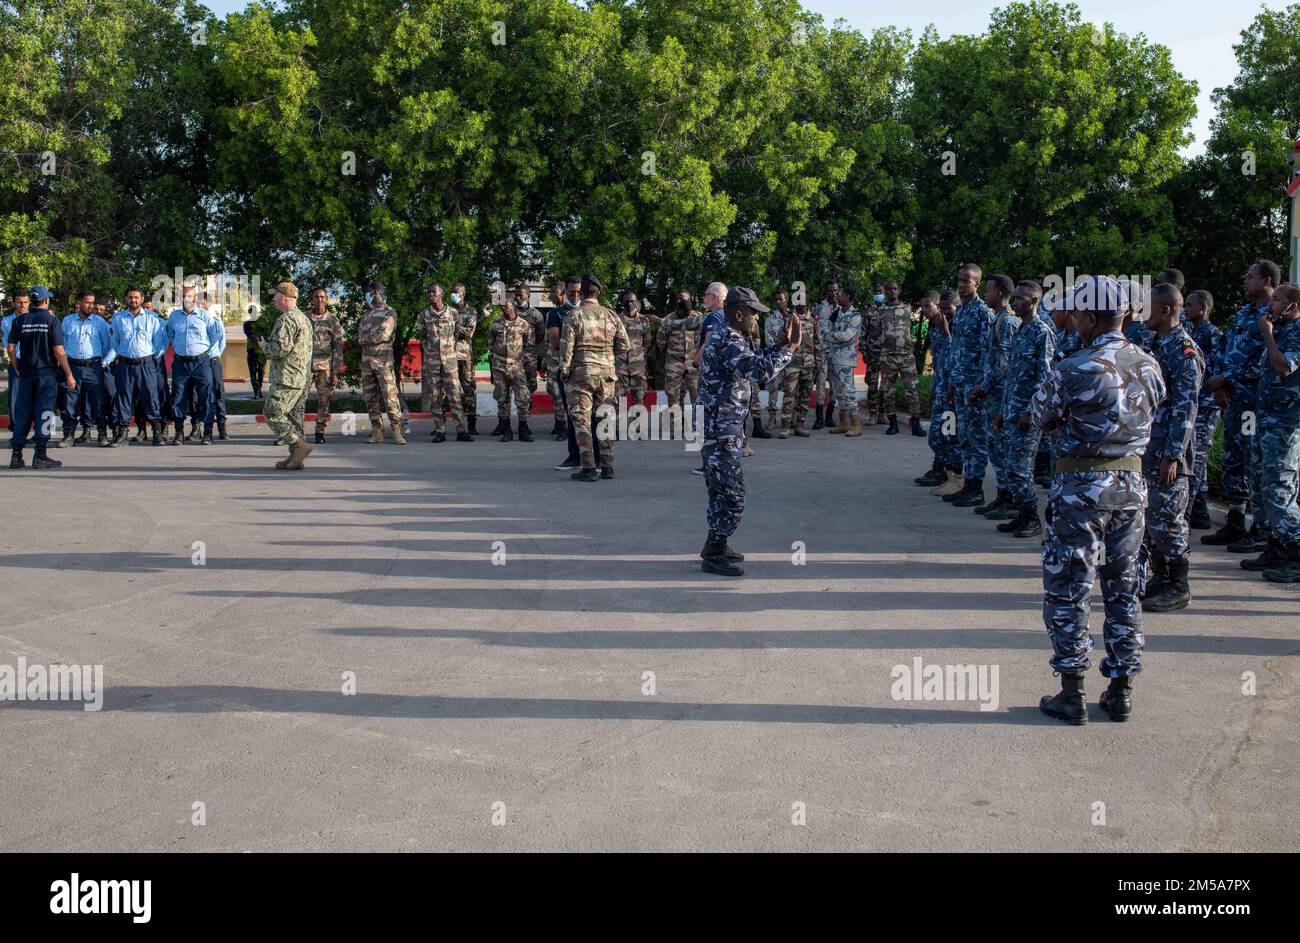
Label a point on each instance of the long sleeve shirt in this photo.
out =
(1028, 364)
(1243, 353)
(87, 338)
(1001, 338)
(1182, 366)
(970, 329)
(140, 336)
(197, 333)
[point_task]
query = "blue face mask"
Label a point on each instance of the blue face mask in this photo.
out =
(877, 298)
(570, 304)
(455, 298)
(369, 298)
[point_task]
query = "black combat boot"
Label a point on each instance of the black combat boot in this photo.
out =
(16, 459)
(713, 558)
(194, 435)
(819, 422)
(207, 435)
(473, 424)
(1117, 699)
(464, 437)
(437, 436)
(1289, 571)
(1199, 518)
(69, 438)
(916, 428)
(42, 461)
(320, 438)
(557, 428)
(586, 474)
(140, 436)
(999, 501)
(119, 437)
(893, 424)
(1159, 577)
(101, 436)
(503, 426)
(964, 491)
(507, 435)
(606, 472)
(157, 433)
(1029, 524)
(1175, 594)
(221, 430)
(176, 438)
(935, 476)
(1008, 511)
(830, 417)
(1234, 528)
(1070, 705)
(759, 431)
(1253, 542)
(1274, 555)
(84, 437)
(732, 555)
(1009, 526)
(525, 434)
(562, 432)
(974, 496)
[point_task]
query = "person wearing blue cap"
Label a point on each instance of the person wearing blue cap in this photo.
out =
(1100, 404)
(35, 347)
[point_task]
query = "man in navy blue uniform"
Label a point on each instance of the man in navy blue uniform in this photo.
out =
(35, 348)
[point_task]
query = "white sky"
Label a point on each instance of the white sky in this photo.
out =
(1199, 33)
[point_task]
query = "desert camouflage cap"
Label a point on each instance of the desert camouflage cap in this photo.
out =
(288, 289)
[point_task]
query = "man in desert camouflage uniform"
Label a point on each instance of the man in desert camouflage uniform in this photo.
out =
(773, 325)
(326, 356)
(821, 315)
(466, 323)
(288, 358)
(678, 337)
(896, 359)
(534, 352)
(378, 384)
(509, 337)
(630, 366)
(799, 375)
(871, 346)
(435, 328)
(593, 339)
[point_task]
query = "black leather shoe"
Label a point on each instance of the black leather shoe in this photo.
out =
(464, 437)
(587, 474)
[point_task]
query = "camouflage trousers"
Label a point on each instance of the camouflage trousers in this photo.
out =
(797, 381)
(871, 380)
(997, 442)
(1080, 544)
(1207, 420)
(972, 432)
(1278, 452)
(892, 369)
(943, 445)
(1236, 453)
(553, 387)
(529, 362)
(724, 477)
(379, 390)
(440, 394)
(681, 376)
(822, 382)
(846, 391)
(1166, 532)
(775, 386)
(468, 396)
(508, 380)
(586, 395)
(284, 409)
(631, 380)
(320, 381)
(1018, 454)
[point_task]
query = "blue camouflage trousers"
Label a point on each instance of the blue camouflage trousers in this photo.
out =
(724, 477)
(1166, 520)
(1081, 544)
(972, 431)
(944, 447)
(846, 391)
(1019, 450)
(1236, 453)
(1207, 420)
(1279, 457)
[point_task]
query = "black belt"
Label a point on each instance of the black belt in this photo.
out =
(183, 359)
(134, 361)
(90, 362)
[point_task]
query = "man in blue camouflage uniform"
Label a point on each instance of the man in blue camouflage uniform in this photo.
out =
(1001, 337)
(933, 310)
(730, 369)
(1100, 402)
(1199, 307)
(1167, 462)
(971, 328)
(1029, 361)
(1234, 389)
(1277, 452)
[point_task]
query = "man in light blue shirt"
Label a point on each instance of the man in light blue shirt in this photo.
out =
(194, 334)
(139, 336)
(216, 411)
(22, 302)
(88, 344)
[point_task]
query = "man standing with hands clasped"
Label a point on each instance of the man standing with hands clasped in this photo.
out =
(729, 369)
(35, 348)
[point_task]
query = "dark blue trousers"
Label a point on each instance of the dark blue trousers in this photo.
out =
(34, 408)
(216, 411)
(137, 383)
(190, 379)
(85, 404)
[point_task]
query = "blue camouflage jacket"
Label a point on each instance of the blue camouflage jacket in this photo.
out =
(728, 360)
(1279, 403)
(1103, 400)
(940, 352)
(970, 328)
(1243, 352)
(1210, 339)
(1001, 338)
(1028, 364)
(1182, 367)
(1138, 333)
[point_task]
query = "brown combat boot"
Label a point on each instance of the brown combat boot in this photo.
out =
(855, 426)
(298, 455)
(398, 437)
(842, 425)
(376, 433)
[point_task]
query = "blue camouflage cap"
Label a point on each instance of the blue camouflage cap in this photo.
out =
(1099, 294)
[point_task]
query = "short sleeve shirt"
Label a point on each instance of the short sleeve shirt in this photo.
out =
(35, 335)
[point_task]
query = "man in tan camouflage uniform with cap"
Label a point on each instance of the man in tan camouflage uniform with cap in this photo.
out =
(534, 352)
(679, 336)
(870, 345)
(630, 365)
(593, 338)
(378, 384)
(326, 356)
(773, 325)
(466, 323)
(897, 360)
(288, 357)
(509, 338)
(436, 329)
(800, 375)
